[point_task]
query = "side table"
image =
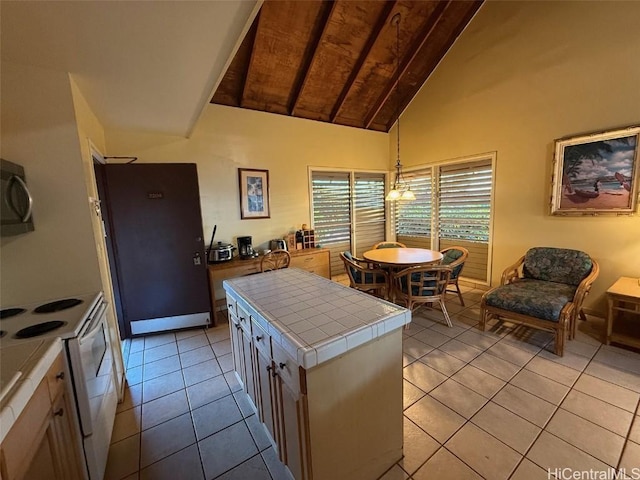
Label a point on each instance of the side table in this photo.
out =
(623, 299)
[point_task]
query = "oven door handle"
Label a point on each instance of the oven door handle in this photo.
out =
(93, 326)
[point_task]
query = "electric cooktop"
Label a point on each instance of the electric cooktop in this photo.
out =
(59, 318)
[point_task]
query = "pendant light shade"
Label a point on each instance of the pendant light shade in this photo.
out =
(401, 190)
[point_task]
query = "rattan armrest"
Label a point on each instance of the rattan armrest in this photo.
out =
(512, 272)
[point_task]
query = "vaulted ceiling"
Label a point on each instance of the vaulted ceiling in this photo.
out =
(336, 61)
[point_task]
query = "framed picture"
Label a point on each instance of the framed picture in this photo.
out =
(254, 193)
(596, 173)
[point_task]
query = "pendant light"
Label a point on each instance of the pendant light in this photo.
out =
(401, 190)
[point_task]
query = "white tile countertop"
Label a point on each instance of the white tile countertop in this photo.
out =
(314, 319)
(22, 367)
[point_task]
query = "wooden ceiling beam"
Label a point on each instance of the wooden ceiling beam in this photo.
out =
(408, 59)
(385, 16)
(328, 8)
(256, 28)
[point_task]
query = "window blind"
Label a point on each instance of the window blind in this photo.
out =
(369, 207)
(413, 218)
(464, 201)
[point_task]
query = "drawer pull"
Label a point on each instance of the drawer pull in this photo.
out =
(60, 376)
(272, 370)
(230, 305)
(59, 412)
(282, 365)
(238, 326)
(259, 338)
(242, 319)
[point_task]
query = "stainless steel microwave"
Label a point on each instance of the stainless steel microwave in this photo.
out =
(16, 201)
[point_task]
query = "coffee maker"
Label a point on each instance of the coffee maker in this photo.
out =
(245, 248)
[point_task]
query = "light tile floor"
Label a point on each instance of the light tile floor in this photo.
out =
(494, 405)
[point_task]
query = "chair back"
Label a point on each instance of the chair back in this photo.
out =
(422, 283)
(560, 265)
(275, 260)
(362, 277)
(389, 245)
(454, 257)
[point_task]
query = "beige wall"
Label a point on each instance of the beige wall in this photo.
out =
(229, 138)
(39, 131)
(91, 138)
(520, 76)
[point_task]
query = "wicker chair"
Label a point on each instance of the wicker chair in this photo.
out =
(388, 245)
(275, 260)
(421, 285)
(365, 278)
(454, 258)
(544, 289)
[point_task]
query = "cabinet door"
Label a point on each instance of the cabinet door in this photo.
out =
(248, 366)
(291, 422)
(266, 392)
(236, 348)
(66, 441)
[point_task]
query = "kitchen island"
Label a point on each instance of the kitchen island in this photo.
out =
(322, 364)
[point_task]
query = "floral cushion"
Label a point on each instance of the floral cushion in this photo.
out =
(560, 265)
(536, 298)
(451, 256)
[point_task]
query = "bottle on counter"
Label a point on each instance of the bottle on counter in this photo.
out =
(299, 240)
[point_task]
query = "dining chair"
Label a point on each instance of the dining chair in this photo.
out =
(364, 277)
(275, 260)
(388, 245)
(454, 257)
(420, 285)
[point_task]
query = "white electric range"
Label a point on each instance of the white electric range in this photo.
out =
(80, 321)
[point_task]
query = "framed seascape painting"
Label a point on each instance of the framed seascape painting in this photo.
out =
(254, 193)
(596, 173)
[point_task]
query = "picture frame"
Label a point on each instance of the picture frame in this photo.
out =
(254, 193)
(596, 173)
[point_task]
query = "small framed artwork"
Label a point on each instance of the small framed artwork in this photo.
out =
(254, 193)
(596, 173)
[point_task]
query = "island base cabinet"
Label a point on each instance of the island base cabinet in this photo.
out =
(341, 420)
(354, 411)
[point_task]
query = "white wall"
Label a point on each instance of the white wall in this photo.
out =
(39, 131)
(521, 75)
(229, 138)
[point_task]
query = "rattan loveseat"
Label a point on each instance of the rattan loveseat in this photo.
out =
(544, 289)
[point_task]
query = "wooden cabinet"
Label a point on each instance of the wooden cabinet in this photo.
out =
(341, 419)
(42, 444)
(314, 260)
(623, 299)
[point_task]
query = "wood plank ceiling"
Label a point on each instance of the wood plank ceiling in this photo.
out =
(335, 61)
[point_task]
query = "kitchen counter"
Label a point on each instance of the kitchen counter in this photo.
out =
(312, 318)
(22, 367)
(306, 351)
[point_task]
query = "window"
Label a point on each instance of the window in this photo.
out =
(348, 211)
(453, 207)
(464, 201)
(413, 219)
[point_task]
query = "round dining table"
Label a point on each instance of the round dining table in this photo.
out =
(403, 257)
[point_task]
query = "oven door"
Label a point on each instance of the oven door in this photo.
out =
(92, 369)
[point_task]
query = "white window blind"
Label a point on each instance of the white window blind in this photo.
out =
(464, 201)
(348, 212)
(369, 209)
(413, 218)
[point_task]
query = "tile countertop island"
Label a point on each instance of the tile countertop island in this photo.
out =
(322, 363)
